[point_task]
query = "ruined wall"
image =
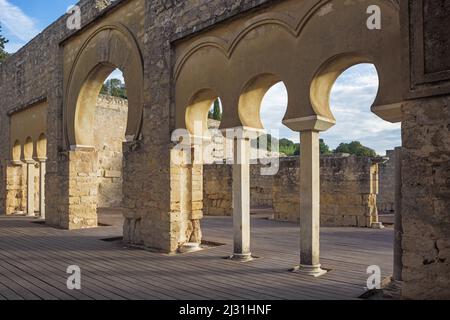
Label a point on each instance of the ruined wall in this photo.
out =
(425, 205)
(217, 195)
(217, 182)
(426, 198)
(386, 194)
(110, 124)
(348, 190)
(15, 189)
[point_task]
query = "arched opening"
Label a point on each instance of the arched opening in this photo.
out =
(28, 149)
(16, 192)
(17, 151)
(110, 115)
(359, 131)
(91, 67)
(106, 49)
(202, 120)
(357, 144)
(197, 112)
(279, 143)
(41, 147)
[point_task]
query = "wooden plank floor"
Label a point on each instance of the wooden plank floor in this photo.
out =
(34, 259)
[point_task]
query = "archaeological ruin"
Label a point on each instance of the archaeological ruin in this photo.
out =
(67, 152)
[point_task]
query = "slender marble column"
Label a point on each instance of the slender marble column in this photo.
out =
(310, 204)
(30, 187)
(42, 164)
(241, 199)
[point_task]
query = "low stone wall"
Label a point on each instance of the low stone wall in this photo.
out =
(349, 187)
(386, 195)
(348, 191)
(217, 190)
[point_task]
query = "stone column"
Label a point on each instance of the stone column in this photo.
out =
(398, 228)
(310, 204)
(241, 198)
(42, 164)
(30, 187)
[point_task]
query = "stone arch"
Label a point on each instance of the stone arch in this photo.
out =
(316, 36)
(41, 146)
(16, 151)
(109, 47)
(28, 149)
(197, 109)
(325, 78)
(251, 98)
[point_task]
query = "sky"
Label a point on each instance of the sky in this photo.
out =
(351, 98)
(21, 20)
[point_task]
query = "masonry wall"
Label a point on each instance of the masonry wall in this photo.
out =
(348, 190)
(426, 198)
(386, 194)
(15, 189)
(110, 124)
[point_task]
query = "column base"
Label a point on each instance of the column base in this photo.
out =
(377, 225)
(241, 257)
(314, 271)
(190, 247)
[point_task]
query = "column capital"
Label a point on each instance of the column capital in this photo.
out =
(80, 147)
(242, 132)
(311, 123)
(29, 161)
(17, 163)
(41, 159)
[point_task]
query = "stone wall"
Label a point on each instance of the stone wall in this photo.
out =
(110, 124)
(386, 194)
(348, 190)
(15, 189)
(426, 198)
(217, 192)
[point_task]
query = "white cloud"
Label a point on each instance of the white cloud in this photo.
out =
(351, 99)
(17, 22)
(116, 74)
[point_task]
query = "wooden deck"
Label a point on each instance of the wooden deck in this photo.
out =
(34, 259)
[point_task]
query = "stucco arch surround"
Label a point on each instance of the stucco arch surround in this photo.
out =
(305, 44)
(108, 47)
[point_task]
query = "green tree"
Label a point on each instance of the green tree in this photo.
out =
(115, 88)
(215, 113)
(3, 41)
(355, 148)
(324, 148)
(288, 147)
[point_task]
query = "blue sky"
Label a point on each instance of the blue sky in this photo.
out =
(352, 95)
(21, 20)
